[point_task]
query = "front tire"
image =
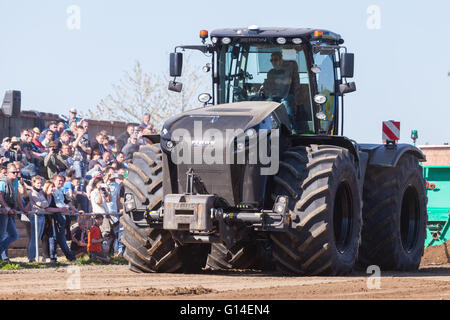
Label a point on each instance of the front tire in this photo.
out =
(322, 186)
(150, 249)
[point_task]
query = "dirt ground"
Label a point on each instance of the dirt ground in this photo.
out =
(431, 281)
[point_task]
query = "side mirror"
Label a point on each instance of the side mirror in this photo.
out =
(175, 86)
(347, 65)
(347, 88)
(176, 64)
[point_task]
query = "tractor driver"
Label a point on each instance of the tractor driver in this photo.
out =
(280, 84)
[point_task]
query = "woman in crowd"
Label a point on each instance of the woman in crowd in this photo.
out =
(48, 226)
(38, 201)
(57, 237)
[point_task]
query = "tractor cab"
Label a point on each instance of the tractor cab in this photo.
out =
(304, 69)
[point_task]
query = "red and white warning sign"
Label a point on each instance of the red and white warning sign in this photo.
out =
(391, 130)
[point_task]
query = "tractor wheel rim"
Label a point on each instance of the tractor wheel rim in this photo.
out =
(409, 219)
(343, 217)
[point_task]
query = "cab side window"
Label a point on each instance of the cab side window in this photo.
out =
(325, 85)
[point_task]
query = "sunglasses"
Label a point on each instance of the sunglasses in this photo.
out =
(15, 172)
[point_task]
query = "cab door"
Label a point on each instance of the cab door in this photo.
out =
(325, 78)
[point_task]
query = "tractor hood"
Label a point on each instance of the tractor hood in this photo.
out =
(233, 181)
(240, 115)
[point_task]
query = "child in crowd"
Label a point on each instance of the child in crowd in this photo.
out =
(80, 238)
(95, 240)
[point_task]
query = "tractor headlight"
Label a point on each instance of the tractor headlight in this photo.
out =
(281, 204)
(281, 40)
(320, 99)
(169, 145)
(226, 40)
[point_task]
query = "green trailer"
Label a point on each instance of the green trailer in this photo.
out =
(436, 172)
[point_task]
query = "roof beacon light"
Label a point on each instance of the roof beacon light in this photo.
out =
(204, 35)
(318, 33)
(281, 40)
(253, 27)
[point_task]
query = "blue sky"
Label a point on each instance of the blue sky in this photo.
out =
(401, 68)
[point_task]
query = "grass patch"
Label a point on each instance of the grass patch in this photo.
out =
(82, 261)
(9, 266)
(30, 265)
(86, 261)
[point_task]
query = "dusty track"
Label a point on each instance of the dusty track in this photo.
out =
(117, 282)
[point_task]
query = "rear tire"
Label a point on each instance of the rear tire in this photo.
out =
(395, 216)
(322, 186)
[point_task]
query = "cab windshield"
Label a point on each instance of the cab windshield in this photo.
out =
(264, 72)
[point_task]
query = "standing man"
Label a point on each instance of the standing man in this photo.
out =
(85, 124)
(131, 147)
(106, 160)
(98, 143)
(123, 138)
(5, 146)
(49, 137)
(38, 146)
(82, 148)
(53, 127)
(14, 153)
(62, 224)
(54, 162)
(66, 154)
(10, 200)
(145, 121)
(114, 206)
(73, 116)
(64, 139)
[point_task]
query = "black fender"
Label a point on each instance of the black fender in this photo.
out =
(382, 155)
(365, 154)
(361, 157)
(338, 141)
(154, 138)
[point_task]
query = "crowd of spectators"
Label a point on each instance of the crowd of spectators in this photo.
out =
(65, 173)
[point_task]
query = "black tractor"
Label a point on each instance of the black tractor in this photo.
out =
(262, 177)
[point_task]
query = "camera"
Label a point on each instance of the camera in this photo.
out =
(103, 189)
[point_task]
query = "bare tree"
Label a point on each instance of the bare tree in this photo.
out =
(139, 93)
